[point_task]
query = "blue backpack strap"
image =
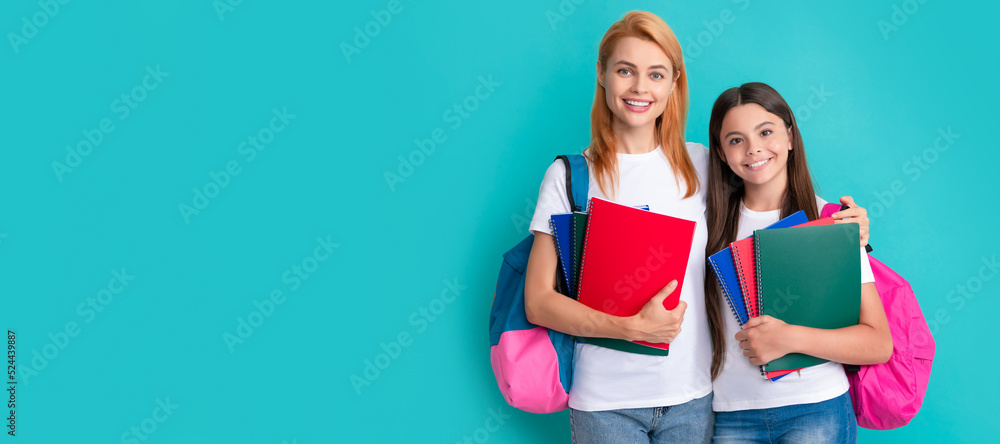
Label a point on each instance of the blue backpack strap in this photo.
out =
(577, 180)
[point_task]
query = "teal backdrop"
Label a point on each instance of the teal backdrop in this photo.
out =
(281, 222)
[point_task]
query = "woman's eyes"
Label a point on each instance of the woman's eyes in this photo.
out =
(626, 72)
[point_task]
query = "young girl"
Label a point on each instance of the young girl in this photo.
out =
(757, 175)
(637, 156)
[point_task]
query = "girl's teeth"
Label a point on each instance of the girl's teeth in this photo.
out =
(755, 165)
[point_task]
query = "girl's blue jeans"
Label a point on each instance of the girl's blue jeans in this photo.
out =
(830, 421)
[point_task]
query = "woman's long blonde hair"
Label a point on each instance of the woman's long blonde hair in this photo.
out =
(669, 126)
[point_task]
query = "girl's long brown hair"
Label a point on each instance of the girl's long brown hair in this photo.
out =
(725, 191)
(669, 126)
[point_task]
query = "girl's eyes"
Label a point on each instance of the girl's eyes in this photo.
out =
(737, 140)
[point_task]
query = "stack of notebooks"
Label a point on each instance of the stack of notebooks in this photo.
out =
(803, 273)
(615, 258)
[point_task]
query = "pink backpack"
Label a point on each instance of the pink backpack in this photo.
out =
(887, 396)
(533, 365)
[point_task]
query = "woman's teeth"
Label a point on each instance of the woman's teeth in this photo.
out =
(637, 103)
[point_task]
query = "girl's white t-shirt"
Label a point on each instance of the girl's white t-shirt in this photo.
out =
(740, 385)
(605, 379)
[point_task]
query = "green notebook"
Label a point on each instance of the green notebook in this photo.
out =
(579, 232)
(809, 276)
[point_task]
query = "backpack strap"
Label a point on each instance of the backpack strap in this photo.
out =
(831, 208)
(577, 188)
(577, 180)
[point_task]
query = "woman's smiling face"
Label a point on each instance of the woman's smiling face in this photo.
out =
(755, 144)
(637, 82)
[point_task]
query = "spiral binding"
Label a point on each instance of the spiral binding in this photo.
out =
(555, 240)
(760, 292)
(583, 254)
(746, 298)
(739, 272)
(574, 267)
(725, 291)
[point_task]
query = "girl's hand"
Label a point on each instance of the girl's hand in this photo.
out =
(854, 214)
(765, 339)
(656, 324)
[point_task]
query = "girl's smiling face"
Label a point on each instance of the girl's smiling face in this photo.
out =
(755, 145)
(637, 82)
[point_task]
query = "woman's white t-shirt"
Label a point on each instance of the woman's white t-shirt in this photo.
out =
(605, 379)
(740, 386)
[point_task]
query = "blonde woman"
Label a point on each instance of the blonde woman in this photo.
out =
(637, 156)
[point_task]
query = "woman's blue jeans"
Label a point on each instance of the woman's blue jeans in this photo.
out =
(690, 422)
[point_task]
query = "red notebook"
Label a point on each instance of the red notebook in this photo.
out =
(746, 270)
(629, 255)
(746, 273)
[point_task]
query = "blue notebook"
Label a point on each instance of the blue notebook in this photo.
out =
(562, 231)
(725, 272)
(561, 225)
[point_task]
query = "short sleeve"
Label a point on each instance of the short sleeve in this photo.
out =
(820, 203)
(866, 268)
(551, 198)
(699, 158)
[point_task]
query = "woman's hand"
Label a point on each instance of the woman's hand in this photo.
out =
(657, 324)
(854, 214)
(764, 339)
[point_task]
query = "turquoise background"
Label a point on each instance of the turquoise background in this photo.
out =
(162, 338)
